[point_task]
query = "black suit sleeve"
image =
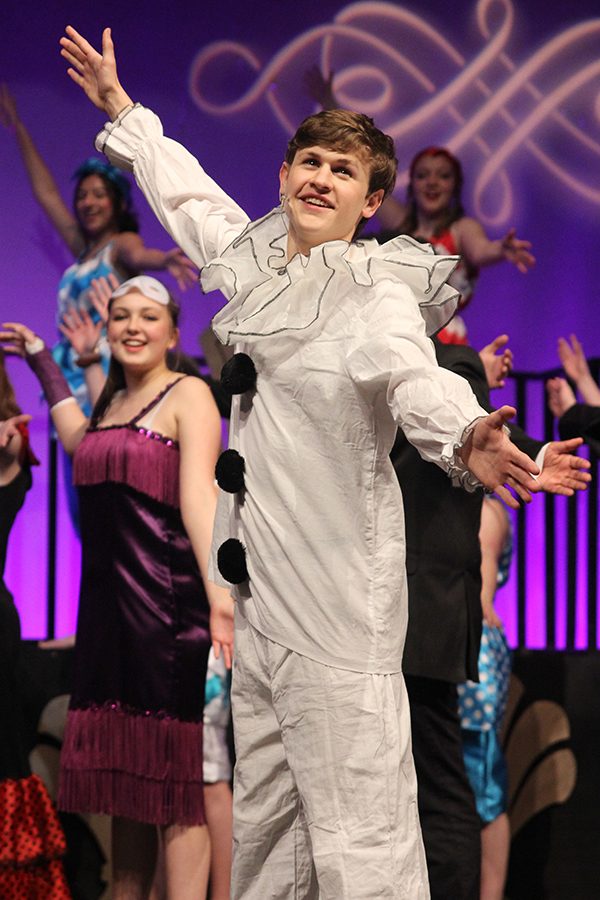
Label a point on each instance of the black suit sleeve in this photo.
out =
(466, 362)
(582, 420)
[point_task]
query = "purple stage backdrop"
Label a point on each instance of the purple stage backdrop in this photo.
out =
(513, 88)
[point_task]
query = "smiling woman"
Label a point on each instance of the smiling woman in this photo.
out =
(101, 232)
(144, 470)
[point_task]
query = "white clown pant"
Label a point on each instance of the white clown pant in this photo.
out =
(325, 793)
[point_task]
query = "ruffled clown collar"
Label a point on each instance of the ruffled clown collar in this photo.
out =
(270, 296)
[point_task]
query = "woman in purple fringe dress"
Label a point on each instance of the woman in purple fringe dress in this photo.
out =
(144, 468)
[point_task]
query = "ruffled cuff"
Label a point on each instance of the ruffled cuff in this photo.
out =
(121, 139)
(456, 470)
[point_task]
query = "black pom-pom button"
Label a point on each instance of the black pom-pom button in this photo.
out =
(229, 471)
(231, 560)
(238, 375)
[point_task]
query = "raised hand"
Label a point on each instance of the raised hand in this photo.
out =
(81, 332)
(181, 268)
(319, 88)
(497, 361)
(9, 430)
(562, 471)
(517, 251)
(573, 359)
(95, 73)
(101, 290)
(560, 396)
(495, 461)
(15, 336)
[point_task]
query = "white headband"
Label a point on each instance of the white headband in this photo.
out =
(149, 287)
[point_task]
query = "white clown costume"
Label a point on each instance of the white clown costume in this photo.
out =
(332, 355)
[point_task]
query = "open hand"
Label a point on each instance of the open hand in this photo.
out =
(95, 73)
(517, 251)
(562, 471)
(101, 290)
(319, 88)
(497, 361)
(573, 359)
(15, 336)
(181, 268)
(81, 332)
(495, 461)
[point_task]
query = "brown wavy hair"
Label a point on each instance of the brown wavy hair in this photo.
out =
(342, 129)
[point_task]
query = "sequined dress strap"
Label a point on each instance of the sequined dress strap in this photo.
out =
(153, 403)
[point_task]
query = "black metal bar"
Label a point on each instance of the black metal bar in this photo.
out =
(592, 557)
(550, 548)
(51, 565)
(571, 572)
(521, 395)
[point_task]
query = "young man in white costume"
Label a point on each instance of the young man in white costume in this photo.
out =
(332, 355)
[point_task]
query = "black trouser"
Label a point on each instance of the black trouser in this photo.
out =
(449, 820)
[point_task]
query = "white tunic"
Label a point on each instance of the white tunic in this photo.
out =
(340, 345)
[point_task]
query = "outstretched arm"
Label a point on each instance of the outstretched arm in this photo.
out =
(44, 187)
(196, 212)
(133, 255)
(478, 250)
(68, 419)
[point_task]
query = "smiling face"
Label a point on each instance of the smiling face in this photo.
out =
(326, 195)
(140, 331)
(95, 207)
(433, 185)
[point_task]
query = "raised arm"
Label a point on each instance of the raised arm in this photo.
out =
(132, 255)
(199, 431)
(478, 250)
(576, 366)
(43, 185)
(196, 212)
(69, 421)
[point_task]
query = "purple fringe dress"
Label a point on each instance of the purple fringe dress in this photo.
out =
(133, 741)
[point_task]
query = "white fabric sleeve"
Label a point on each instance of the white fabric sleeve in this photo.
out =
(196, 212)
(434, 407)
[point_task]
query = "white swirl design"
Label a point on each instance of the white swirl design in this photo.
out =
(393, 65)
